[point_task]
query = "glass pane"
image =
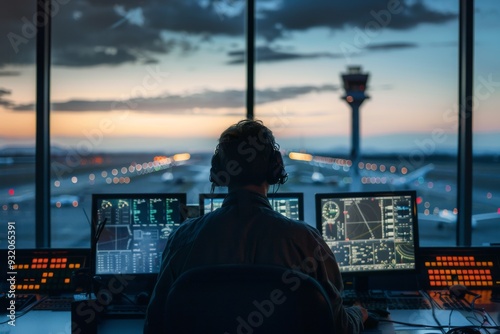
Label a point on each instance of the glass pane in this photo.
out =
(18, 122)
(132, 86)
(486, 125)
(407, 126)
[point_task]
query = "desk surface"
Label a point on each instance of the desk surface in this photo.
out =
(57, 322)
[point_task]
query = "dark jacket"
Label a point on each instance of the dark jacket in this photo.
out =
(247, 230)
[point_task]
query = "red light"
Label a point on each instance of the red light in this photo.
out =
(419, 200)
(498, 211)
(11, 192)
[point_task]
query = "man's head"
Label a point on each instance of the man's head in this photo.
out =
(247, 154)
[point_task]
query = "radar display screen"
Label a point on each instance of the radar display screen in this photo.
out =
(129, 231)
(370, 231)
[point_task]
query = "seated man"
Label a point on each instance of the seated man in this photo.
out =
(246, 229)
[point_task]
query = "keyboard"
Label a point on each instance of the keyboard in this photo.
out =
(382, 300)
(24, 300)
(55, 303)
(125, 311)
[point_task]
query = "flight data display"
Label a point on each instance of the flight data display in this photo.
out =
(288, 204)
(211, 202)
(370, 231)
(130, 232)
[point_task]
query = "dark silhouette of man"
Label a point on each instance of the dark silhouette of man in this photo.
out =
(246, 230)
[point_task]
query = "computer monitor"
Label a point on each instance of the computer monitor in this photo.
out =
(129, 231)
(370, 232)
(210, 201)
(289, 204)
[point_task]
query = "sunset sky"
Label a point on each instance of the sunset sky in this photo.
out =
(170, 75)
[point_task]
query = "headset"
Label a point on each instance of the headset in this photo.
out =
(231, 163)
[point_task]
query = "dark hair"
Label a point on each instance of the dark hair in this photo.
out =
(247, 153)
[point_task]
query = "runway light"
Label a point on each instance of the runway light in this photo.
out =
(300, 156)
(489, 195)
(182, 157)
(74, 179)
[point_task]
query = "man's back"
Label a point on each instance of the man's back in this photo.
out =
(244, 230)
(247, 230)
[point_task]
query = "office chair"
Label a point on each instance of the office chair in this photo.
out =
(245, 298)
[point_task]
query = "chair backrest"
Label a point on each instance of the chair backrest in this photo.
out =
(247, 299)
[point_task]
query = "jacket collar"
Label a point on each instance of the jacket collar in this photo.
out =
(243, 197)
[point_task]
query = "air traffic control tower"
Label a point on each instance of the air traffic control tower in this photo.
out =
(355, 85)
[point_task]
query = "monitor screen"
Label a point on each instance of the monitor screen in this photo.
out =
(371, 231)
(290, 205)
(210, 202)
(129, 231)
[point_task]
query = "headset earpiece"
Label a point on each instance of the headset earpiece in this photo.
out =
(215, 168)
(276, 173)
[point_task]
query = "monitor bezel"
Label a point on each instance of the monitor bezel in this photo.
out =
(93, 242)
(416, 241)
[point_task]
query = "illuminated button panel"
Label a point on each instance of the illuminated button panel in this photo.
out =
(465, 270)
(46, 271)
(476, 268)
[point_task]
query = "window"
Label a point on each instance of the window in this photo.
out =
(134, 88)
(17, 126)
(140, 93)
(486, 125)
(407, 126)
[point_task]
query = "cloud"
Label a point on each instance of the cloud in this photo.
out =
(299, 15)
(9, 73)
(185, 104)
(4, 102)
(390, 46)
(92, 32)
(82, 29)
(268, 54)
